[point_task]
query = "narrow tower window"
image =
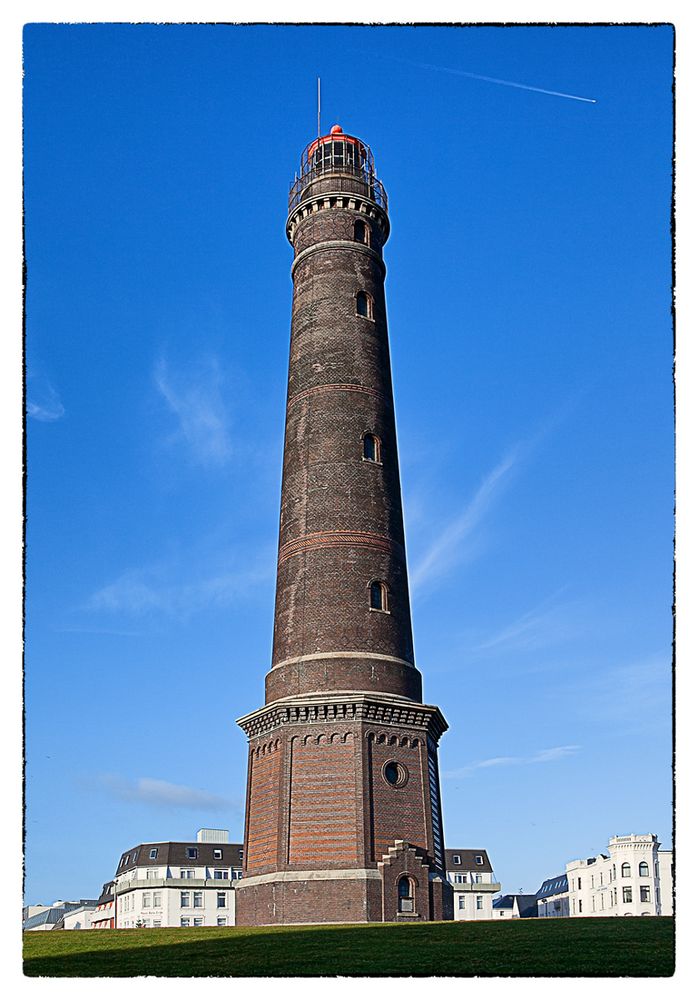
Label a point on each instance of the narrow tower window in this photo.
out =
(362, 233)
(379, 596)
(644, 869)
(372, 448)
(364, 305)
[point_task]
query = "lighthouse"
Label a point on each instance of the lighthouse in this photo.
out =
(343, 818)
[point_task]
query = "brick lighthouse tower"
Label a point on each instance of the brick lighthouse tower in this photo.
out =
(343, 813)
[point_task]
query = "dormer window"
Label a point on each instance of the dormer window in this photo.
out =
(153, 853)
(192, 853)
(478, 859)
(217, 854)
(456, 859)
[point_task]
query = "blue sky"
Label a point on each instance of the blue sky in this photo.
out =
(529, 301)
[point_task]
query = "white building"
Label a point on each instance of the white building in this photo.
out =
(635, 879)
(172, 884)
(470, 873)
(553, 898)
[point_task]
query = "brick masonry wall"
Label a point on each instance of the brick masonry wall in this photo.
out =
(341, 521)
(323, 815)
(261, 835)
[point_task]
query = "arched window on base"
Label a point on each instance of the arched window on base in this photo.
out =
(405, 895)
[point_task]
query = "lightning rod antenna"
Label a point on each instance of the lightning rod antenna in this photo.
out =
(318, 107)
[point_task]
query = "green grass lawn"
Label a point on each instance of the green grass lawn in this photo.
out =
(603, 946)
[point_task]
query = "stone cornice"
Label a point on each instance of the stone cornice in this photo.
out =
(347, 200)
(340, 706)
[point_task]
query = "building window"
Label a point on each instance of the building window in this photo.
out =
(221, 899)
(362, 233)
(644, 870)
(395, 774)
(146, 900)
(456, 859)
(625, 870)
(580, 906)
(478, 859)
(220, 873)
(184, 922)
(151, 873)
(222, 921)
(364, 305)
(186, 873)
(645, 894)
(372, 448)
(217, 854)
(153, 853)
(157, 923)
(198, 899)
(379, 596)
(478, 878)
(192, 853)
(478, 902)
(405, 896)
(185, 898)
(461, 902)
(157, 899)
(627, 894)
(592, 881)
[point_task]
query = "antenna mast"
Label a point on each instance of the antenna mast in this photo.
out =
(318, 107)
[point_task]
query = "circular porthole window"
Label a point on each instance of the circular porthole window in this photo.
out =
(395, 774)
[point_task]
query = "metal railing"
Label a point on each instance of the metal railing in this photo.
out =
(319, 180)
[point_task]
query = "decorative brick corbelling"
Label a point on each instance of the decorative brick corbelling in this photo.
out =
(338, 540)
(321, 709)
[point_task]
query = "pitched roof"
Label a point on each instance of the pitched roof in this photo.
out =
(553, 886)
(467, 859)
(175, 853)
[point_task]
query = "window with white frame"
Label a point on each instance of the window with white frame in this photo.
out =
(625, 870)
(186, 873)
(478, 859)
(185, 898)
(222, 921)
(478, 902)
(157, 923)
(217, 854)
(478, 877)
(184, 922)
(221, 899)
(220, 873)
(198, 899)
(151, 873)
(153, 853)
(644, 869)
(198, 921)
(645, 894)
(147, 900)
(157, 899)
(461, 902)
(627, 894)
(456, 859)
(192, 853)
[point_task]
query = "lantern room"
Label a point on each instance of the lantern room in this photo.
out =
(337, 162)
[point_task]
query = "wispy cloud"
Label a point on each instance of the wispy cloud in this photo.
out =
(634, 695)
(43, 402)
(165, 794)
(195, 397)
(504, 83)
(143, 591)
(450, 546)
(543, 625)
(541, 757)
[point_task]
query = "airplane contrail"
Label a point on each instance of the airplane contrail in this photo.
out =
(504, 83)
